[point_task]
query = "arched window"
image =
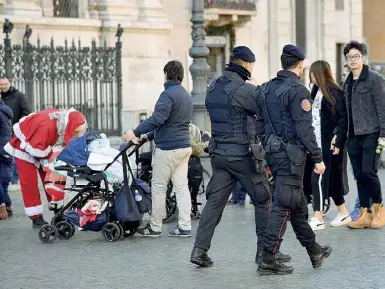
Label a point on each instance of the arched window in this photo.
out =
(66, 8)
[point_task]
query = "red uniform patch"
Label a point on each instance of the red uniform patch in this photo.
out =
(306, 105)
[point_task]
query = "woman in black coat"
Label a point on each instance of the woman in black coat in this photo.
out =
(330, 124)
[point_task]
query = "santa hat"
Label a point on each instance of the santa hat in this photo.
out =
(73, 119)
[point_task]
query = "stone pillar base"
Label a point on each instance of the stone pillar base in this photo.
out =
(201, 118)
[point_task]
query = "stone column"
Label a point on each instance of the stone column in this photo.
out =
(151, 11)
(47, 7)
(92, 9)
(116, 10)
(83, 9)
(199, 68)
(23, 8)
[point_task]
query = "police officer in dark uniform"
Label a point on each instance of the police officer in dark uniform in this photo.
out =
(229, 101)
(284, 126)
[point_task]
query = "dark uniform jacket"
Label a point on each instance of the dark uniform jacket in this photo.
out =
(230, 101)
(17, 101)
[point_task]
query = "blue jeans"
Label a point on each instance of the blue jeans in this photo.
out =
(4, 196)
(5, 179)
(239, 193)
(15, 175)
(358, 204)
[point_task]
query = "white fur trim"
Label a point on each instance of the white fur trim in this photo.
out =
(57, 148)
(53, 187)
(67, 115)
(59, 204)
(26, 146)
(21, 155)
(33, 211)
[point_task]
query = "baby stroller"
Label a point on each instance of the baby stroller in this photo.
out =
(123, 201)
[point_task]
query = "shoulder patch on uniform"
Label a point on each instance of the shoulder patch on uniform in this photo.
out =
(306, 105)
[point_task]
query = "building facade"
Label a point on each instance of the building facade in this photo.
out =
(374, 34)
(155, 31)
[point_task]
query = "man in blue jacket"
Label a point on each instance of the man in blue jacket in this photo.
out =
(169, 126)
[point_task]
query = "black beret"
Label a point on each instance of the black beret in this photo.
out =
(244, 53)
(293, 51)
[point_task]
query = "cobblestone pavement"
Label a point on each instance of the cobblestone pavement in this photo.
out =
(87, 261)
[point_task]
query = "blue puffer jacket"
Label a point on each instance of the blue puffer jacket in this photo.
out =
(6, 116)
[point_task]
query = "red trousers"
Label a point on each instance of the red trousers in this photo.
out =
(30, 188)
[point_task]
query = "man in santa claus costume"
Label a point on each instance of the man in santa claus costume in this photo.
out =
(34, 137)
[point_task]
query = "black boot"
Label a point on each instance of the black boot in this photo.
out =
(270, 266)
(199, 257)
(280, 257)
(318, 253)
(39, 222)
(283, 257)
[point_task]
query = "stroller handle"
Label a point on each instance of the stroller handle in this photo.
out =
(126, 146)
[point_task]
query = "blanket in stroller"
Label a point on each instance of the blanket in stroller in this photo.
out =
(94, 150)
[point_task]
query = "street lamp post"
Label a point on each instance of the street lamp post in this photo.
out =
(199, 68)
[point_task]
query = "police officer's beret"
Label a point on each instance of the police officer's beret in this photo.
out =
(244, 53)
(293, 51)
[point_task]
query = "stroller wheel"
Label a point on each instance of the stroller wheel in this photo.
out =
(129, 233)
(48, 234)
(56, 220)
(111, 232)
(65, 230)
(120, 228)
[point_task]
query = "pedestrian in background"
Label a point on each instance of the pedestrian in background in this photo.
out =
(330, 124)
(5, 160)
(20, 106)
(364, 91)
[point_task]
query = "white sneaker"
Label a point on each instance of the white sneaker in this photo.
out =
(316, 224)
(340, 220)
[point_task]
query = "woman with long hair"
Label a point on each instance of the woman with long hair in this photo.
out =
(330, 123)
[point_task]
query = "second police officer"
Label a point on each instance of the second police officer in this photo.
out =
(284, 125)
(230, 101)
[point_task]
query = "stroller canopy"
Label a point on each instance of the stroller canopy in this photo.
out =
(76, 153)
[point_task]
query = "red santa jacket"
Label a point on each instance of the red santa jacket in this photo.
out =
(35, 134)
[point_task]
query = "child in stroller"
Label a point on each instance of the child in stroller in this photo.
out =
(106, 199)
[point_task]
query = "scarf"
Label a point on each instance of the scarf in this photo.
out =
(240, 70)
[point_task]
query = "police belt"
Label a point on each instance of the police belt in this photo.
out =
(227, 146)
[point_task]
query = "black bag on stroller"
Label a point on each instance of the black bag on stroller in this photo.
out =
(195, 176)
(131, 202)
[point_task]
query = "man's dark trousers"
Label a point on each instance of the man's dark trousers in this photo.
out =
(362, 153)
(226, 172)
(289, 204)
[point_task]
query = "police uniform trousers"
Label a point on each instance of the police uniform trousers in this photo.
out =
(227, 170)
(289, 203)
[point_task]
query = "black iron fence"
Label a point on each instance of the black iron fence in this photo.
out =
(86, 78)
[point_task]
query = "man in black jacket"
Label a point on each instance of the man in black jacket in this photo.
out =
(364, 90)
(17, 101)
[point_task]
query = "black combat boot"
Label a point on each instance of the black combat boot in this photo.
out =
(318, 253)
(199, 257)
(38, 222)
(280, 257)
(269, 265)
